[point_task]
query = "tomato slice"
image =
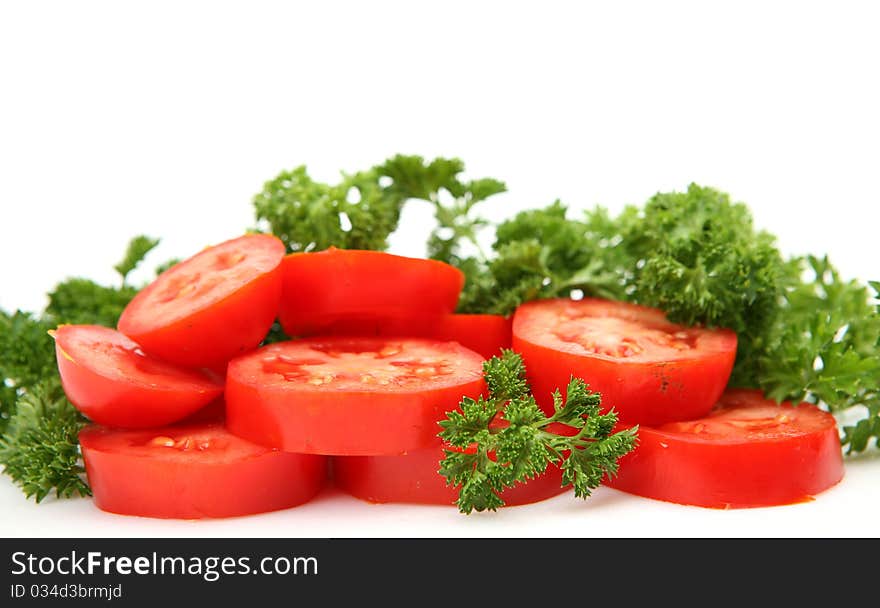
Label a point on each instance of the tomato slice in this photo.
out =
(748, 452)
(484, 334)
(349, 396)
(193, 472)
(211, 307)
(323, 287)
(649, 370)
(414, 479)
(113, 382)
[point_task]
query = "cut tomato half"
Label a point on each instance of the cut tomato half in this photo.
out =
(324, 287)
(649, 370)
(349, 396)
(211, 307)
(484, 334)
(415, 479)
(194, 471)
(113, 382)
(748, 452)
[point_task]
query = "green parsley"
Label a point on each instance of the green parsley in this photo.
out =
(363, 208)
(307, 215)
(27, 356)
(825, 348)
(505, 439)
(137, 250)
(543, 254)
(39, 449)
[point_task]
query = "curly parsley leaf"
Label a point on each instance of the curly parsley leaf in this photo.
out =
(825, 348)
(27, 356)
(702, 262)
(167, 264)
(363, 209)
(504, 440)
(307, 215)
(39, 450)
(414, 178)
(137, 250)
(82, 301)
(276, 334)
(544, 254)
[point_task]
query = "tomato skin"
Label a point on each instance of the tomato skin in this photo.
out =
(188, 486)
(640, 391)
(484, 334)
(414, 478)
(213, 331)
(354, 420)
(777, 468)
(125, 389)
(321, 288)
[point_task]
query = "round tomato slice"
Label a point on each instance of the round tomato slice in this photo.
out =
(214, 306)
(649, 370)
(113, 382)
(748, 452)
(484, 334)
(349, 396)
(194, 471)
(323, 287)
(414, 479)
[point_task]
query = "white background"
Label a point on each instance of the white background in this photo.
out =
(166, 117)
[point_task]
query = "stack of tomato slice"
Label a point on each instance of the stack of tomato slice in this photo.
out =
(193, 418)
(698, 444)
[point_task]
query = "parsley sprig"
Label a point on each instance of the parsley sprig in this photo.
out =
(362, 209)
(825, 347)
(505, 439)
(39, 450)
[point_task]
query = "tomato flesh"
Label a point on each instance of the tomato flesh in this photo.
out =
(651, 371)
(193, 472)
(113, 382)
(324, 287)
(484, 334)
(211, 307)
(349, 396)
(748, 452)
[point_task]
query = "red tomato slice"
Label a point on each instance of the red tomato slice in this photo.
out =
(649, 370)
(193, 472)
(214, 306)
(349, 396)
(748, 452)
(214, 412)
(484, 334)
(323, 287)
(113, 382)
(414, 479)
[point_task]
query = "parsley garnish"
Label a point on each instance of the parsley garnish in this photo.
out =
(825, 347)
(363, 208)
(504, 440)
(39, 449)
(137, 250)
